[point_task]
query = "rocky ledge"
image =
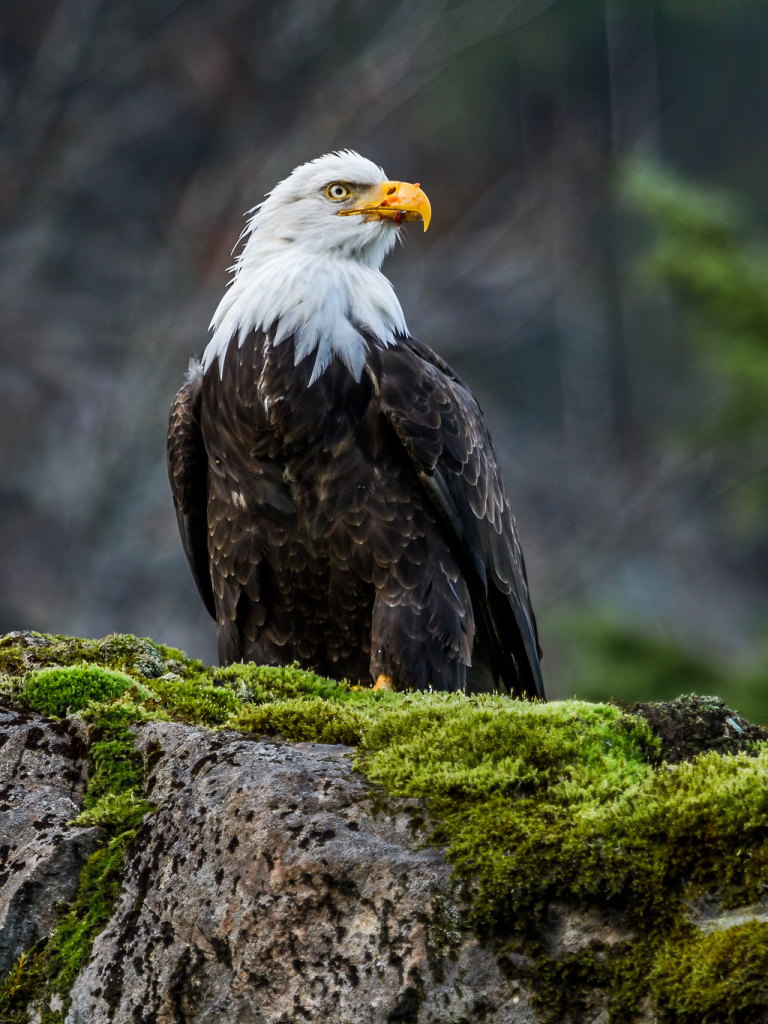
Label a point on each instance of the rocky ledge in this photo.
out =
(266, 889)
(157, 869)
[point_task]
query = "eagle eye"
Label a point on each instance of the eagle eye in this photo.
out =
(338, 190)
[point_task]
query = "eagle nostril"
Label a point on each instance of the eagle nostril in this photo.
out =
(392, 190)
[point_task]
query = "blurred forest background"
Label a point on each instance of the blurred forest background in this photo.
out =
(596, 270)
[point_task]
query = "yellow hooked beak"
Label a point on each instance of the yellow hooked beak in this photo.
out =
(393, 200)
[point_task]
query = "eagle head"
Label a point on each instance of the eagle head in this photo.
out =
(310, 266)
(340, 204)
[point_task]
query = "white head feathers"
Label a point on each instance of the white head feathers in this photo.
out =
(313, 273)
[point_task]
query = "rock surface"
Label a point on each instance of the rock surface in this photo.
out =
(42, 773)
(275, 885)
(269, 889)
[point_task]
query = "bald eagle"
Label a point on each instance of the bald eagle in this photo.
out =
(338, 496)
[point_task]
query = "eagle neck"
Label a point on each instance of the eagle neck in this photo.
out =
(331, 305)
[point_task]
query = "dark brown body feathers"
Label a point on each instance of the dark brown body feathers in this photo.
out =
(358, 528)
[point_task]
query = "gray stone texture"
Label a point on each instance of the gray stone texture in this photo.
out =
(272, 886)
(42, 774)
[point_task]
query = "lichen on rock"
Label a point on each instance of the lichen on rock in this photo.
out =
(568, 862)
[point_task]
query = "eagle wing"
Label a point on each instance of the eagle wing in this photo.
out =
(445, 435)
(188, 473)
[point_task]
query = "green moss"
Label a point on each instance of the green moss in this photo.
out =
(11, 661)
(113, 802)
(196, 702)
(10, 687)
(714, 979)
(21, 652)
(51, 968)
(261, 683)
(513, 788)
(691, 828)
(135, 656)
(309, 719)
(113, 809)
(61, 691)
(177, 661)
(560, 802)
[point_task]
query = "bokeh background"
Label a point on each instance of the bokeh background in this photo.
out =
(596, 270)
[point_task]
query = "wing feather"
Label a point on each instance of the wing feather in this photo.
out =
(188, 474)
(445, 435)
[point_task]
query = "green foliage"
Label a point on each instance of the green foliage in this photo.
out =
(714, 979)
(611, 660)
(720, 276)
(61, 691)
(703, 255)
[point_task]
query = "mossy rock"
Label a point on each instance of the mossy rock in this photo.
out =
(22, 651)
(632, 813)
(691, 725)
(721, 978)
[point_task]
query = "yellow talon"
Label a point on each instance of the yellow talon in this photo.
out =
(383, 683)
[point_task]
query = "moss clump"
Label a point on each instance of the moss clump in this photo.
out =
(714, 979)
(142, 656)
(61, 691)
(514, 788)
(309, 719)
(112, 809)
(264, 683)
(116, 769)
(197, 702)
(688, 829)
